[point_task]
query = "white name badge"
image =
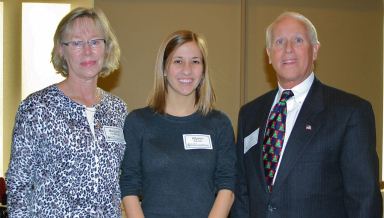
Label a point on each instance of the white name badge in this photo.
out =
(197, 141)
(251, 140)
(114, 134)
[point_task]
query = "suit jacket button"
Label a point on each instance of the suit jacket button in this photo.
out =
(271, 208)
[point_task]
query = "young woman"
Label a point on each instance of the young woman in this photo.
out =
(180, 154)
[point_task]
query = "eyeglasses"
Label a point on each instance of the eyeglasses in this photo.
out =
(79, 44)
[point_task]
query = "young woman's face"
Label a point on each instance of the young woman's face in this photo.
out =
(184, 70)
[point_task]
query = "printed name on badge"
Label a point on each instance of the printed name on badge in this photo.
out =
(197, 141)
(251, 140)
(114, 134)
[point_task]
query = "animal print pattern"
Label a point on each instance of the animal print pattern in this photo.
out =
(58, 168)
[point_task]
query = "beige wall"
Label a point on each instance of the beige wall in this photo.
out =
(350, 58)
(142, 25)
(11, 81)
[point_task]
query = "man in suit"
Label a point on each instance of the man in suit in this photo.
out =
(326, 165)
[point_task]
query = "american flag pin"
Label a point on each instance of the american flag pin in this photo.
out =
(308, 127)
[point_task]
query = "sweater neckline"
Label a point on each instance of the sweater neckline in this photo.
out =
(187, 118)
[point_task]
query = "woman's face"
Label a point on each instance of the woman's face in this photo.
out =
(83, 48)
(184, 70)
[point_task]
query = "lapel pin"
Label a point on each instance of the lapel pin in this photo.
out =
(308, 127)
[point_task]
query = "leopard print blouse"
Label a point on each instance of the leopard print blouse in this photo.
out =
(58, 168)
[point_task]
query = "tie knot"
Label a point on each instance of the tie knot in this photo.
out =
(286, 95)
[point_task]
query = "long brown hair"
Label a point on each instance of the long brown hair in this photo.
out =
(205, 96)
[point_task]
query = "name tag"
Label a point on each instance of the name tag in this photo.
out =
(251, 140)
(197, 141)
(114, 134)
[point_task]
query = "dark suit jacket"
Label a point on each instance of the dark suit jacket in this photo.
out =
(329, 168)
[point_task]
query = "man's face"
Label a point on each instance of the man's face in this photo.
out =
(291, 53)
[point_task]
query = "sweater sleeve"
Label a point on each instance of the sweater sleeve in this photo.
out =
(20, 172)
(225, 173)
(131, 172)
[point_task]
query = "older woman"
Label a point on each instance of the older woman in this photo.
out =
(180, 156)
(68, 140)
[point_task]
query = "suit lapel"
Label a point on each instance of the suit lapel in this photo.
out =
(304, 129)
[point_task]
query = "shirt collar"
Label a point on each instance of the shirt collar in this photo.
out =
(301, 90)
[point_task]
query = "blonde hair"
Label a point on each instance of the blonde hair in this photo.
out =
(205, 96)
(112, 49)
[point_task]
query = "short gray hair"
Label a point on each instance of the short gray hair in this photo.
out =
(311, 30)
